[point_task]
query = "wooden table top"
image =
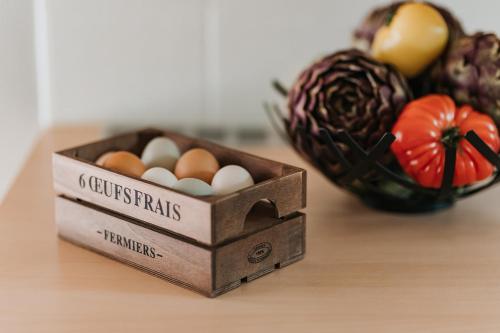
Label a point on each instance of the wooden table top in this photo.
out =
(364, 271)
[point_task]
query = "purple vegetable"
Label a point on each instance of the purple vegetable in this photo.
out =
(472, 73)
(345, 91)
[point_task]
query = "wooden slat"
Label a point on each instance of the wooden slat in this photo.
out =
(175, 259)
(260, 253)
(195, 215)
(208, 270)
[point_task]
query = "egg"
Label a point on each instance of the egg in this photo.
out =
(160, 152)
(193, 186)
(100, 161)
(126, 163)
(231, 178)
(160, 176)
(197, 163)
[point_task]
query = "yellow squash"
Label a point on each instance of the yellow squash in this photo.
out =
(413, 38)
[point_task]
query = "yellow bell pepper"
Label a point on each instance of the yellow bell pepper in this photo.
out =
(412, 39)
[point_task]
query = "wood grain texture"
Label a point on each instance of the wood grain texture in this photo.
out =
(210, 220)
(365, 271)
(208, 270)
(260, 253)
(126, 241)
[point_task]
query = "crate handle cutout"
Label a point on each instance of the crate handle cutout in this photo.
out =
(260, 212)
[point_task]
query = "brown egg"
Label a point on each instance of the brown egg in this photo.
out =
(197, 163)
(100, 161)
(126, 163)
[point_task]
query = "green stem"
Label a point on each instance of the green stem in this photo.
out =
(389, 17)
(451, 136)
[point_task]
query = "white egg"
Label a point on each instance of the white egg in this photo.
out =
(160, 152)
(231, 178)
(193, 186)
(160, 176)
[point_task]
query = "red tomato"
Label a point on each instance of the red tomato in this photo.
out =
(427, 125)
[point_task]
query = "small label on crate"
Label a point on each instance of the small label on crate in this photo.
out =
(130, 196)
(260, 252)
(129, 243)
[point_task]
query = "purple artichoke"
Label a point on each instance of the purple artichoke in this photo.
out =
(472, 73)
(345, 91)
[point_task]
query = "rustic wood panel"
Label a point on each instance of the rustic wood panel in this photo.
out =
(261, 252)
(194, 219)
(287, 194)
(173, 258)
(208, 270)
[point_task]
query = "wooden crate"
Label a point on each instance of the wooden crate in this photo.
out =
(211, 270)
(208, 220)
(209, 244)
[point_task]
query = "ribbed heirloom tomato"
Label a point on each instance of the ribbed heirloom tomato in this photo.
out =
(429, 124)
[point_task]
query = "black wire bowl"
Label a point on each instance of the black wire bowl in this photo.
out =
(386, 187)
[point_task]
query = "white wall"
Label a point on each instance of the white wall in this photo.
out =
(194, 61)
(182, 61)
(165, 62)
(125, 60)
(18, 117)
